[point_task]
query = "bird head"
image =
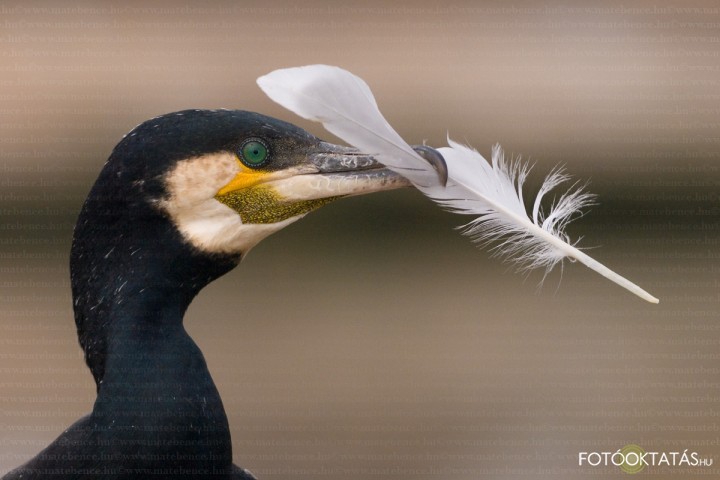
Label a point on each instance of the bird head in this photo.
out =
(227, 179)
(262, 175)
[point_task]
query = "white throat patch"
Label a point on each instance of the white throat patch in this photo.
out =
(203, 221)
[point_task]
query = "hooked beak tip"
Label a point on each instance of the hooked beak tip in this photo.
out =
(435, 159)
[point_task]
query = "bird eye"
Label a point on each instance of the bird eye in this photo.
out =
(253, 153)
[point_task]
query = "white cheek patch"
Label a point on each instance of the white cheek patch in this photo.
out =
(200, 178)
(204, 222)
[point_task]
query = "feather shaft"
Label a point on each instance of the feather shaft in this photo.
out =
(567, 249)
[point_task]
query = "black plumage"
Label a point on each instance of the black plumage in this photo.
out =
(135, 271)
(158, 413)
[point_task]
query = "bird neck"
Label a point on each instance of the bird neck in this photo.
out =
(156, 356)
(155, 393)
(131, 271)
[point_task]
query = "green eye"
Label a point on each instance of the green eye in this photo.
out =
(254, 153)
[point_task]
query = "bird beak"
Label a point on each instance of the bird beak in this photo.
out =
(335, 171)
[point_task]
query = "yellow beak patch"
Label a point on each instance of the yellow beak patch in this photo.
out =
(249, 194)
(244, 179)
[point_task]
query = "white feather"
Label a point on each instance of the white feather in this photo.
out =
(346, 107)
(494, 195)
(492, 192)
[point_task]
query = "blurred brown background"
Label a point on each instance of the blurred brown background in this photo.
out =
(370, 339)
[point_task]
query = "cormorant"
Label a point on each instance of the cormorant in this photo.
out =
(180, 200)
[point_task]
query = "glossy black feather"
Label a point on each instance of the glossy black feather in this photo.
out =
(158, 413)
